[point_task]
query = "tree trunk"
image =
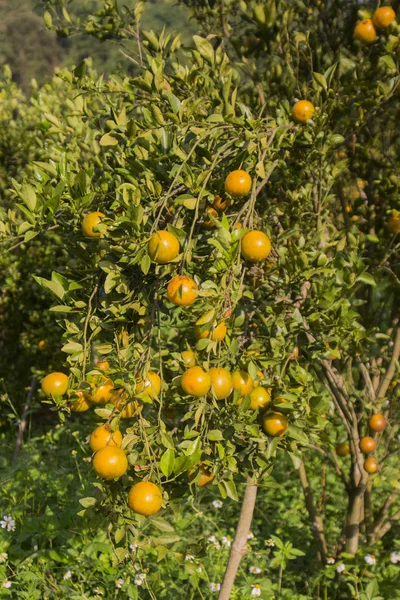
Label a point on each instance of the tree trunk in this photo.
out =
(24, 418)
(239, 546)
(353, 519)
(317, 524)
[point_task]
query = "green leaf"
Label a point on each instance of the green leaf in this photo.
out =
(205, 49)
(366, 278)
(215, 435)
(108, 140)
(161, 523)
(167, 462)
(86, 502)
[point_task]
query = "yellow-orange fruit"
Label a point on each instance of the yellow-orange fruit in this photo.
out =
(163, 247)
(238, 183)
(242, 381)
(303, 111)
(182, 290)
(110, 462)
(189, 358)
(55, 384)
(103, 436)
(221, 383)
(255, 246)
(145, 498)
(367, 444)
(370, 465)
(365, 32)
(81, 403)
(90, 222)
(383, 17)
(260, 397)
(343, 449)
(196, 382)
(377, 423)
(275, 424)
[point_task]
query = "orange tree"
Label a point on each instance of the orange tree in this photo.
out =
(238, 265)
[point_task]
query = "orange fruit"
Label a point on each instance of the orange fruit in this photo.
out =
(370, 465)
(103, 388)
(377, 423)
(102, 365)
(393, 224)
(163, 247)
(255, 246)
(303, 111)
(189, 358)
(221, 383)
(81, 403)
(383, 17)
(42, 345)
(220, 204)
(367, 444)
(208, 222)
(110, 462)
(145, 498)
(205, 478)
(132, 409)
(182, 290)
(365, 32)
(207, 328)
(103, 436)
(55, 384)
(275, 424)
(90, 222)
(243, 382)
(151, 386)
(260, 397)
(238, 183)
(196, 382)
(343, 449)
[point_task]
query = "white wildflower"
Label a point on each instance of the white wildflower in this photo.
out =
(3, 557)
(250, 536)
(227, 541)
(215, 587)
(340, 568)
(189, 557)
(133, 547)
(217, 503)
(7, 583)
(270, 543)
(254, 570)
(98, 591)
(255, 590)
(8, 523)
(139, 579)
(395, 557)
(119, 583)
(370, 559)
(67, 575)
(330, 561)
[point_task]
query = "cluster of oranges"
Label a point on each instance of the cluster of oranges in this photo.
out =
(376, 424)
(366, 30)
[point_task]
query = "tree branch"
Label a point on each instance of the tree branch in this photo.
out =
(317, 524)
(383, 387)
(24, 418)
(239, 546)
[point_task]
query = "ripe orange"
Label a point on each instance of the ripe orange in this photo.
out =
(377, 423)
(303, 111)
(206, 328)
(81, 403)
(367, 444)
(255, 246)
(196, 382)
(383, 17)
(393, 224)
(89, 223)
(163, 247)
(42, 345)
(103, 436)
(221, 383)
(55, 384)
(260, 397)
(343, 449)
(208, 222)
(370, 465)
(132, 409)
(220, 204)
(103, 365)
(243, 382)
(103, 388)
(365, 32)
(189, 358)
(275, 424)
(205, 478)
(110, 462)
(182, 290)
(238, 183)
(151, 386)
(145, 498)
